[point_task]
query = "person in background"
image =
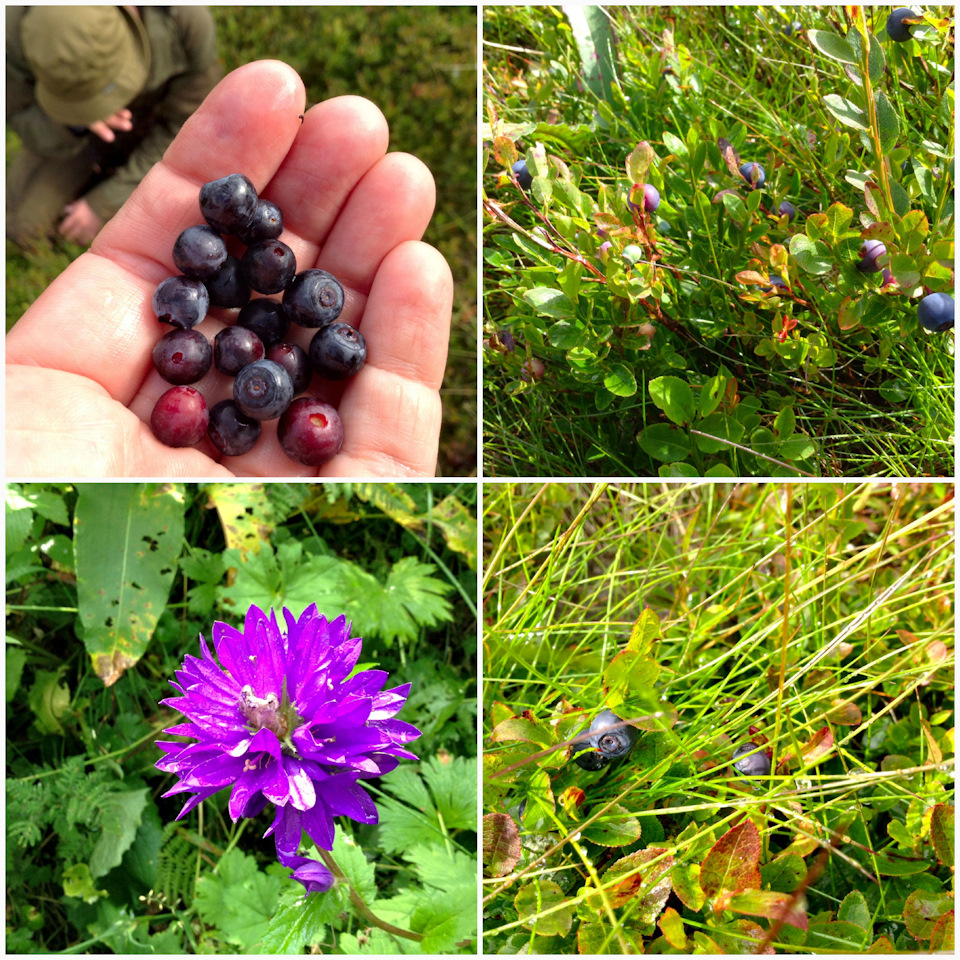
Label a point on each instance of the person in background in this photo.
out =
(96, 95)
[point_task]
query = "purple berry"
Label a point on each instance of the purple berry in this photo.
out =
(338, 351)
(266, 318)
(310, 432)
(228, 204)
(651, 198)
(523, 175)
(234, 348)
(748, 173)
(180, 417)
(787, 209)
(231, 432)
(199, 252)
(226, 287)
(776, 281)
(936, 311)
(268, 266)
(897, 30)
(314, 298)
(181, 301)
(263, 390)
(293, 358)
(267, 224)
(182, 356)
(870, 250)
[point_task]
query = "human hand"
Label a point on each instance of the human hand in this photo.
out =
(80, 378)
(79, 224)
(121, 120)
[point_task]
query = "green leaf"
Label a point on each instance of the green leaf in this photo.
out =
(15, 661)
(569, 279)
(620, 381)
(246, 515)
(664, 442)
(675, 398)
(355, 866)
(785, 423)
(674, 144)
(721, 427)
(877, 62)
(120, 818)
(598, 59)
(894, 391)
(127, 538)
(832, 46)
(711, 393)
(846, 112)
(453, 785)
(812, 255)
(539, 897)
(887, 122)
(48, 700)
(798, 448)
(679, 468)
(550, 302)
(615, 829)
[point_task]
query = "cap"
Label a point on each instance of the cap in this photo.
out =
(89, 62)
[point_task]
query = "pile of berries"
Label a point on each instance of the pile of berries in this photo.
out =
(268, 369)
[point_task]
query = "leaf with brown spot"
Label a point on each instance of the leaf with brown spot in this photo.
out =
(733, 862)
(501, 844)
(730, 156)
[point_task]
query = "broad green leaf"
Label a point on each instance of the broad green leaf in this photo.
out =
(664, 442)
(620, 381)
(674, 144)
(711, 393)
(894, 391)
(812, 255)
(798, 448)
(887, 121)
(877, 61)
(538, 897)
(550, 302)
(785, 423)
(595, 44)
(846, 112)
(565, 334)
(616, 828)
(679, 468)
(120, 817)
(569, 279)
(675, 398)
(720, 428)
(638, 162)
(127, 538)
(832, 46)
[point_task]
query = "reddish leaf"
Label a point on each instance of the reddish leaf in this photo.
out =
(941, 832)
(819, 746)
(500, 712)
(923, 909)
(733, 862)
(751, 276)
(882, 945)
(768, 903)
(650, 885)
(941, 939)
(639, 162)
(572, 799)
(505, 152)
(730, 156)
(845, 713)
(501, 844)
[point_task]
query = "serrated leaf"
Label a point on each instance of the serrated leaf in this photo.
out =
(453, 783)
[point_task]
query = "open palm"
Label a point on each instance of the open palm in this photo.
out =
(80, 378)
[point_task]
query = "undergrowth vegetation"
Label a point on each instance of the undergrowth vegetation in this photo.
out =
(730, 327)
(108, 588)
(811, 626)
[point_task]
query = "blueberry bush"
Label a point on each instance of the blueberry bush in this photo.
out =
(731, 219)
(108, 588)
(784, 657)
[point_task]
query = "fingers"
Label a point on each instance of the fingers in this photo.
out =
(391, 409)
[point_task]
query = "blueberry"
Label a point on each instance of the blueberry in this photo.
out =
(268, 266)
(234, 348)
(532, 369)
(266, 318)
(267, 224)
(199, 252)
(182, 356)
(870, 250)
(791, 28)
(263, 390)
(228, 204)
(226, 287)
(181, 301)
(603, 254)
(338, 351)
(776, 281)
(310, 432)
(313, 298)
(935, 312)
(887, 277)
(787, 209)
(755, 178)
(609, 740)
(293, 358)
(180, 417)
(756, 765)
(523, 175)
(897, 30)
(231, 432)
(632, 253)
(651, 198)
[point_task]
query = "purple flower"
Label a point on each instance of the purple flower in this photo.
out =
(279, 721)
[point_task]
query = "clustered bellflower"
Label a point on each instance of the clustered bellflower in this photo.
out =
(279, 721)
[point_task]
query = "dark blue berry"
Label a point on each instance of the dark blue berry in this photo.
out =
(199, 252)
(787, 209)
(748, 173)
(226, 287)
(181, 301)
(756, 765)
(234, 348)
(231, 432)
(228, 204)
(896, 29)
(338, 351)
(263, 390)
(523, 175)
(267, 224)
(936, 311)
(293, 358)
(182, 356)
(266, 318)
(314, 298)
(609, 740)
(268, 266)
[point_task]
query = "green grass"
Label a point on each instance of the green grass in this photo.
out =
(800, 614)
(883, 406)
(418, 64)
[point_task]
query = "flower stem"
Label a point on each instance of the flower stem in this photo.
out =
(361, 906)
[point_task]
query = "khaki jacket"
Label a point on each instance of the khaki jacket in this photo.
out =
(184, 69)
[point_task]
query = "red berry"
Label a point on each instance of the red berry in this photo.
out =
(310, 431)
(180, 417)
